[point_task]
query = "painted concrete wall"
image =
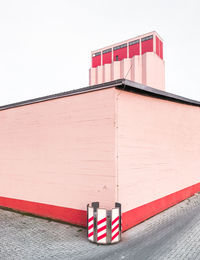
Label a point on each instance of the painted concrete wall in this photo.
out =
(153, 71)
(147, 69)
(107, 145)
(60, 152)
(158, 148)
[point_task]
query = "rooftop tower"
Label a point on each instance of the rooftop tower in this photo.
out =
(139, 59)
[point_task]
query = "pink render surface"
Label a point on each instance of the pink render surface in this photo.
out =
(106, 145)
(60, 152)
(158, 146)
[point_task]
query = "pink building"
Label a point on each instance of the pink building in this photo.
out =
(139, 59)
(118, 141)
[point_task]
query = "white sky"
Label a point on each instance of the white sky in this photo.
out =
(45, 44)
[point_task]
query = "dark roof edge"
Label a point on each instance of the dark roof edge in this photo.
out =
(110, 84)
(139, 88)
(122, 84)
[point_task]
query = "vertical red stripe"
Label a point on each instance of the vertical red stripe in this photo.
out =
(96, 61)
(157, 46)
(161, 50)
(107, 58)
(147, 46)
(121, 53)
(134, 50)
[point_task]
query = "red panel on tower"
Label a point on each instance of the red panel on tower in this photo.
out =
(147, 44)
(96, 59)
(107, 56)
(157, 46)
(161, 50)
(120, 52)
(134, 48)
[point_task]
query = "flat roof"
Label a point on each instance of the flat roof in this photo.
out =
(123, 84)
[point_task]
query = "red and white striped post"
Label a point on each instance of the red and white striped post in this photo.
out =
(115, 227)
(90, 223)
(101, 226)
(104, 226)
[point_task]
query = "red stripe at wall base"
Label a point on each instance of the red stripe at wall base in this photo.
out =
(79, 217)
(137, 215)
(73, 216)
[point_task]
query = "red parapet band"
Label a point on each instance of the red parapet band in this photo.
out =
(137, 215)
(79, 217)
(69, 215)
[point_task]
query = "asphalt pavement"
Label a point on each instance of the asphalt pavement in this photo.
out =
(172, 234)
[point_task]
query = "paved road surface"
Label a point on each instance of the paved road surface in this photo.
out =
(173, 234)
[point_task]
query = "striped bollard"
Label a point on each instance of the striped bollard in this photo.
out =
(101, 226)
(104, 226)
(115, 236)
(91, 223)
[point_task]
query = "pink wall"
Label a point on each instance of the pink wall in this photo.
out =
(147, 69)
(60, 152)
(153, 71)
(107, 145)
(158, 148)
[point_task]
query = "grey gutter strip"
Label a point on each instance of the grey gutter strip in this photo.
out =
(157, 93)
(110, 84)
(122, 84)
